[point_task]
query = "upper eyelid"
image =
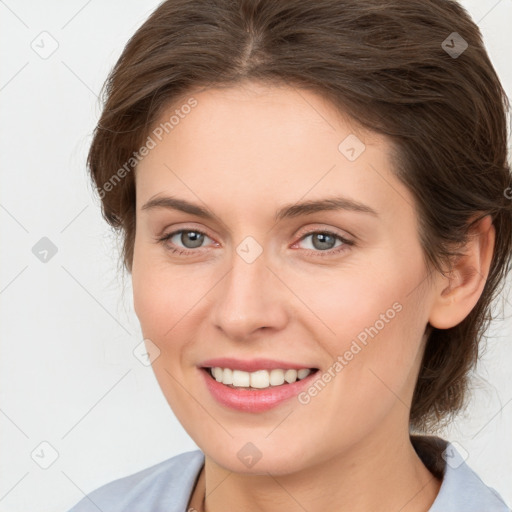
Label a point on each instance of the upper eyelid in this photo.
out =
(185, 230)
(330, 231)
(313, 231)
(317, 229)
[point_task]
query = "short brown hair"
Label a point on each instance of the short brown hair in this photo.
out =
(382, 62)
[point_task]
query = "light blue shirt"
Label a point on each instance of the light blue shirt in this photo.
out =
(168, 486)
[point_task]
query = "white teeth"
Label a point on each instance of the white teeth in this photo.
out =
(290, 376)
(259, 379)
(276, 377)
(227, 376)
(303, 372)
(241, 379)
(217, 373)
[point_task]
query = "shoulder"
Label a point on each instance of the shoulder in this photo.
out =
(461, 490)
(166, 486)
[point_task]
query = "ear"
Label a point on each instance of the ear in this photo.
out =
(458, 292)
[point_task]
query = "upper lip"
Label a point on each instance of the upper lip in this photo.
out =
(251, 365)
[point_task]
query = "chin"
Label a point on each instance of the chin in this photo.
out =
(251, 460)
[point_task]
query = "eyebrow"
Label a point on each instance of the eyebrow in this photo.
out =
(286, 212)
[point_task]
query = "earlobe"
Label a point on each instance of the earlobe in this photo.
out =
(458, 292)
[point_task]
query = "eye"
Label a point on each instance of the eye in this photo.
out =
(318, 243)
(324, 242)
(184, 240)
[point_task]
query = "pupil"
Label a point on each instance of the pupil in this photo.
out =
(325, 241)
(192, 239)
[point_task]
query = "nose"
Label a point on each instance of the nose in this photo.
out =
(249, 300)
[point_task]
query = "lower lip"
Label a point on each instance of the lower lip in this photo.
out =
(258, 400)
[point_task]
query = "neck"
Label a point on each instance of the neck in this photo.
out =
(376, 474)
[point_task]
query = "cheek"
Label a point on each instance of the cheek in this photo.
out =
(345, 303)
(168, 298)
(161, 303)
(151, 300)
(155, 290)
(375, 351)
(373, 318)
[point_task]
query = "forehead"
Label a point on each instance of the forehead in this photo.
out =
(257, 141)
(257, 112)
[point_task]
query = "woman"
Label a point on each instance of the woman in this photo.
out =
(314, 199)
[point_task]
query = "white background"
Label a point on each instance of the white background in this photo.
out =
(68, 375)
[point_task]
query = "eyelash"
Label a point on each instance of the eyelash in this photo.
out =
(322, 254)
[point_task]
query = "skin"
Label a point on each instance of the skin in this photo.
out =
(348, 449)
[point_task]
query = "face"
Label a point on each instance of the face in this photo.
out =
(249, 261)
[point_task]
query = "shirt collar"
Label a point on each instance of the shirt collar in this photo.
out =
(461, 488)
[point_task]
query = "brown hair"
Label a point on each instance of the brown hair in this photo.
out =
(384, 63)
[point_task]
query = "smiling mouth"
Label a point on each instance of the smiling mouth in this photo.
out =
(260, 379)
